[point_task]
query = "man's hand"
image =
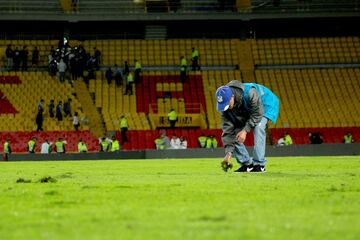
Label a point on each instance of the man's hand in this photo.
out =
(241, 136)
(226, 163)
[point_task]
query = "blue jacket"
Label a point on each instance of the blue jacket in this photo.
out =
(269, 100)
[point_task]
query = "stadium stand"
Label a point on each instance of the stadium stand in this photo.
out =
(306, 50)
(309, 73)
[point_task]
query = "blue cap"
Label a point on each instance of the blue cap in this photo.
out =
(223, 96)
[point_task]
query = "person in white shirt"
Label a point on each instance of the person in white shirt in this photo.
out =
(46, 147)
(174, 142)
(76, 122)
(183, 143)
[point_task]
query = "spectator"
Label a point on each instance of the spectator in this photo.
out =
(174, 142)
(67, 107)
(31, 145)
(41, 105)
(52, 66)
(126, 68)
(115, 146)
(73, 62)
(118, 76)
(59, 115)
(281, 142)
(183, 69)
(183, 143)
(35, 57)
(315, 138)
(104, 145)
(9, 58)
(202, 140)
(74, 5)
(46, 147)
(7, 149)
(195, 59)
(97, 56)
(39, 121)
(137, 72)
(76, 121)
(172, 117)
(51, 108)
(109, 75)
(16, 59)
(60, 146)
(62, 68)
(82, 146)
(348, 138)
(123, 128)
(24, 58)
(211, 142)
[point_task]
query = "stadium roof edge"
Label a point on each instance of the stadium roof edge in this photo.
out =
(78, 17)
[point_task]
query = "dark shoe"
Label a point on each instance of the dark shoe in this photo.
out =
(258, 168)
(245, 168)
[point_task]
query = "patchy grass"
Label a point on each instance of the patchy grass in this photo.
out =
(298, 198)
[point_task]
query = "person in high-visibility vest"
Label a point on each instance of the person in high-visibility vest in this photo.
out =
(115, 146)
(137, 71)
(183, 69)
(104, 145)
(31, 145)
(159, 143)
(162, 142)
(202, 140)
(129, 82)
(7, 149)
(123, 128)
(60, 146)
(211, 142)
(172, 116)
(287, 139)
(82, 148)
(348, 138)
(195, 59)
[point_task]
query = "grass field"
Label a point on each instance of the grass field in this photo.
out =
(298, 198)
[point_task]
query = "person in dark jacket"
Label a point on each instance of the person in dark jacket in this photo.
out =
(51, 108)
(59, 115)
(109, 75)
(39, 121)
(245, 107)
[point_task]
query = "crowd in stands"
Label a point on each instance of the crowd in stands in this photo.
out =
(59, 112)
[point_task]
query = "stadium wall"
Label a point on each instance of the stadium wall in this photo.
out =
(271, 151)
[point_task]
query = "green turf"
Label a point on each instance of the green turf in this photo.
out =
(298, 198)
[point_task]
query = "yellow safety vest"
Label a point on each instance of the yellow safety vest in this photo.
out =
(172, 115)
(115, 146)
(347, 139)
(6, 147)
(82, 147)
(137, 65)
(104, 146)
(31, 145)
(59, 147)
(288, 140)
(195, 53)
(123, 123)
(130, 78)
(202, 141)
